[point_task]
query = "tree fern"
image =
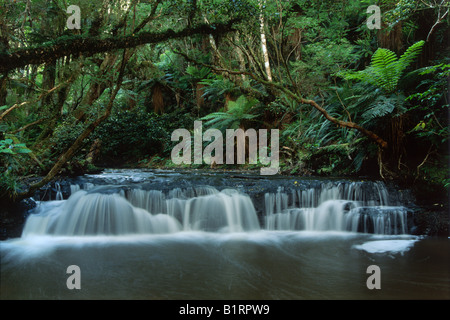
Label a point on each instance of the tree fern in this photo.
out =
(386, 69)
(238, 111)
(198, 74)
(216, 88)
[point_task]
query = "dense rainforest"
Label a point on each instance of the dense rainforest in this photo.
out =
(86, 85)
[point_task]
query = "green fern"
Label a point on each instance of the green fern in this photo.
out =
(381, 107)
(216, 88)
(238, 111)
(198, 74)
(386, 69)
(383, 70)
(410, 55)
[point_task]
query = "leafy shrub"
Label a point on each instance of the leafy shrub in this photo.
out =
(128, 135)
(7, 146)
(131, 135)
(11, 164)
(65, 135)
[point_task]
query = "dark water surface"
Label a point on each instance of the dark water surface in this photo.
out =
(197, 265)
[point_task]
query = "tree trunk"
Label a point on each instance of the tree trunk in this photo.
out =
(158, 99)
(217, 57)
(48, 82)
(228, 98)
(265, 53)
(96, 88)
(47, 102)
(3, 91)
(199, 95)
(240, 56)
(393, 39)
(296, 44)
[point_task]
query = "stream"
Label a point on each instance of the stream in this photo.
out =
(163, 234)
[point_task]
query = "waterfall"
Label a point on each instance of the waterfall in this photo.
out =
(224, 211)
(101, 211)
(59, 195)
(355, 207)
(96, 214)
(365, 207)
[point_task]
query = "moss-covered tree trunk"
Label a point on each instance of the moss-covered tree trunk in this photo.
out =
(3, 91)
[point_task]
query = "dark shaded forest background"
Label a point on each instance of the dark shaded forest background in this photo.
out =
(348, 100)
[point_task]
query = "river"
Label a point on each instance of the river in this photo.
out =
(136, 234)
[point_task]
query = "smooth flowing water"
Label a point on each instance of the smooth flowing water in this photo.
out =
(168, 235)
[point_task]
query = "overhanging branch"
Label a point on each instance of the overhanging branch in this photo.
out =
(66, 46)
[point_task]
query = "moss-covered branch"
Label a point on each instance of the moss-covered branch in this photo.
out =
(87, 46)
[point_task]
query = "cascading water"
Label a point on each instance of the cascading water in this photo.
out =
(136, 211)
(111, 210)
(96, 214)
(356, 207)
(59, 195)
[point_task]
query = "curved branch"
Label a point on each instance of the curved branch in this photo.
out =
(373, 136)
(438, 21)
(28, 125)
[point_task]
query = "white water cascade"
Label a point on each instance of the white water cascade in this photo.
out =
(355, 207)
(138, 211)
(118, 210)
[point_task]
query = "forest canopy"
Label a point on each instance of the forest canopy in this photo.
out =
(348, 99)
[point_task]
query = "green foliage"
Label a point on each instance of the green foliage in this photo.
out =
(309, 43)
(432, 104)
(131, 135)
(12, 164)
(198, 74)
(386, 69)
(8, 185)
(368, 104)
(319, 60)
(238, 112)
(217, 87)
(8, 146)
(64, 136)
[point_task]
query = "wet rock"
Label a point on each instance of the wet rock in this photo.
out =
(432, 221)
(12, 218)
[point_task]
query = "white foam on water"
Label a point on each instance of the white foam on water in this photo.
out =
(383, 246)
(34, 246)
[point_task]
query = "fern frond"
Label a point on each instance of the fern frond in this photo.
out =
(383, 67)
(383, 106)
(386, 69)
(197, 73)
(410, 55)
(238, 111)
